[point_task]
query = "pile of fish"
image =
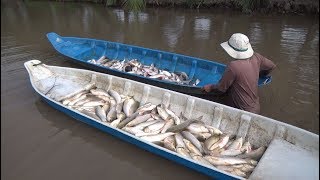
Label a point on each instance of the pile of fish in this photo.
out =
(135, 67)
(158, 124)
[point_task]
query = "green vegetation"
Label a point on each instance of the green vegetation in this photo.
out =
(252, 5)
(134, 5)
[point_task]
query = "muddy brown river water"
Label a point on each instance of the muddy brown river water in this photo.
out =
(39, 142)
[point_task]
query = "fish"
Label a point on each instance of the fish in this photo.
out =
(147, 123)
(173, 115)
(167, 125)
(246, 147)
(119, 107)
(105, 98)
(139, 120)
(182, 151)
(132, 130)
(202, 136)
(197, 128)
(154, 127)
(162, 112)
(156, 138)
(231, 152)
(236, 144)
(130, 106)
(179, 141)
(183, 125)
(255, 154)
(191, 147)
(81, 102)
(84, 88)
(73, 102)
(169, 143)
(112, 114)
(99, 92)
(221, 143)
(106, 107)
(193, 140)
(115, 95)
(147, 133)
(211, 140)
(88, 113)
(213, 130)
(216, 161)
(100, 113)
(200, 159)
(67, 101)
(93, 103)
(127, 120)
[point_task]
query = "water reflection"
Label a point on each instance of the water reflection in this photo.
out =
(255, 33)
(292, 40)
(202, 28)
(173, 30)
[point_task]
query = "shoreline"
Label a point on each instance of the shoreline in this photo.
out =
(273, 6)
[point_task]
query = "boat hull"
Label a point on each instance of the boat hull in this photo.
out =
(208, 72)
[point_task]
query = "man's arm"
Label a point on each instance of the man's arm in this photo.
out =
(266, 66)
(224, 83)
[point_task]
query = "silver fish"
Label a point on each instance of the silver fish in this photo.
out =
(106, 107)
(132, 130)
(179, 141)
(115, 95)
(255, 154)
(211, 140)
(112, 114)
(216, 161)
(169, 143)
(130, 106)
(100, 113)
(167, 125)
(231, 152)
(191, 147)
(154, 127)
(99, 92)
(183, 125)
(221, 143)
(200, 159)
(182, 151)
(147, 134)
(94, 103)
(139, 120)
(162, 112)
(197, 128)
(157, 138)
(193, 140)
(213, 130)
(202, 136)
(246, 147)
(147, 123)
(172, 114)
(236, 144)
(73, 102)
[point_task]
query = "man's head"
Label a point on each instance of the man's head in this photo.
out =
(238, 46)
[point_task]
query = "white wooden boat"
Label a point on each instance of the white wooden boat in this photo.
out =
(292, 153)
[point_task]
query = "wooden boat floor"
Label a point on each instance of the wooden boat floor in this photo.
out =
(283, 160)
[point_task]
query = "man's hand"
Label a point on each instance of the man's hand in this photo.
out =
(207, 88)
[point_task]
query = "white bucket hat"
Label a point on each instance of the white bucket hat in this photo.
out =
(238, 46)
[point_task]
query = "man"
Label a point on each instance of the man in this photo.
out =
(240, 79)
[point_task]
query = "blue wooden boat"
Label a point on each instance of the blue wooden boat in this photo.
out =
(81, 50)
(291, 151)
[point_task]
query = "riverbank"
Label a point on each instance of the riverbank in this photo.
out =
(247, 6)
